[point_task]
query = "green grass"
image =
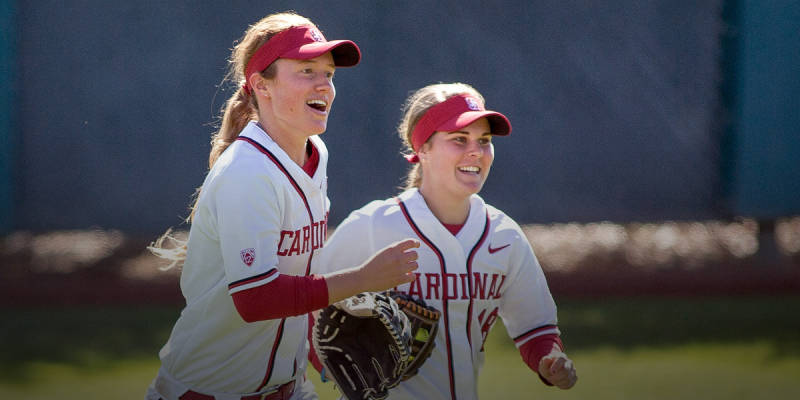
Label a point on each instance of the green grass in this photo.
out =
(715, 371)
(642, 348)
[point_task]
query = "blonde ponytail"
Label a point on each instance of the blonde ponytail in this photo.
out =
(240, 109)
(175, 253)
(414, 177)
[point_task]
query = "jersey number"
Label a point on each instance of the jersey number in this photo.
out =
(487, 323)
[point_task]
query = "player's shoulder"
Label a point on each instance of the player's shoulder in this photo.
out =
(375, 212)
(503, 225)
(242, 171)
(500, 219)
(363, 219)
(240, 162)
(239, 155)
(377, 208)
(255, 156)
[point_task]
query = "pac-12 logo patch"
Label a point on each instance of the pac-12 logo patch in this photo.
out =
(248, 256)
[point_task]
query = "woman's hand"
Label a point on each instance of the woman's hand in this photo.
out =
(392, 266)
(558, 369)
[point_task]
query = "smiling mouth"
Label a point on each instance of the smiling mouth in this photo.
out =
(471, 169)
(319, 105)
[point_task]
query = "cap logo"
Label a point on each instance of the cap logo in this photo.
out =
(248, 256)
(472, 104)
(317, 36)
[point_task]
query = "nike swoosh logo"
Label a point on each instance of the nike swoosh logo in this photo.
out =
(496, 249)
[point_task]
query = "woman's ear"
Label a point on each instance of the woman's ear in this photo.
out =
(423, 151)
(259, 84)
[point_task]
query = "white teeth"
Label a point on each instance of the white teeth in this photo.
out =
(469, 169)
(317, 103)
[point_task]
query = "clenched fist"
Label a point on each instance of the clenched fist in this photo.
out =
(558, 369)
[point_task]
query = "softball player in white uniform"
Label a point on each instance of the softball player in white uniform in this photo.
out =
(475, 263)
(258, 225)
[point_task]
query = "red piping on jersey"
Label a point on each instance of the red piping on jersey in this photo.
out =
(280, 166)
(444, 298)
(469, 277)
(534, 332)
(252, 279)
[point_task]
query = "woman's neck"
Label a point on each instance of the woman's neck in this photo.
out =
(293, 145)
(448, 210)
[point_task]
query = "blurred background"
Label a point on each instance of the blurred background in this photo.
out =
(655, 164)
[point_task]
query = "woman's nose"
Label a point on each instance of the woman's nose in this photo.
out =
(474, 149)
(325, 84)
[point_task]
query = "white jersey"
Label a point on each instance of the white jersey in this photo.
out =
(258, 215)
(487, 270)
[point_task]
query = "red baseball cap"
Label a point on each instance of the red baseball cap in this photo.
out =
(301, 42)
(453, 114)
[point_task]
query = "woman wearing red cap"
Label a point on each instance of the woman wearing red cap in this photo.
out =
(259, 223)
(475, 263)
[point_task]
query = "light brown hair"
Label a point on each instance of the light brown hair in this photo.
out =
(415, 107)
(240, 109)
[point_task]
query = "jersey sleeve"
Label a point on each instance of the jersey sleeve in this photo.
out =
(350, 245)
(248, 209)
(527, 307)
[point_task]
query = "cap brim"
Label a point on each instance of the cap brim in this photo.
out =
(345, 52)
(498, 123)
